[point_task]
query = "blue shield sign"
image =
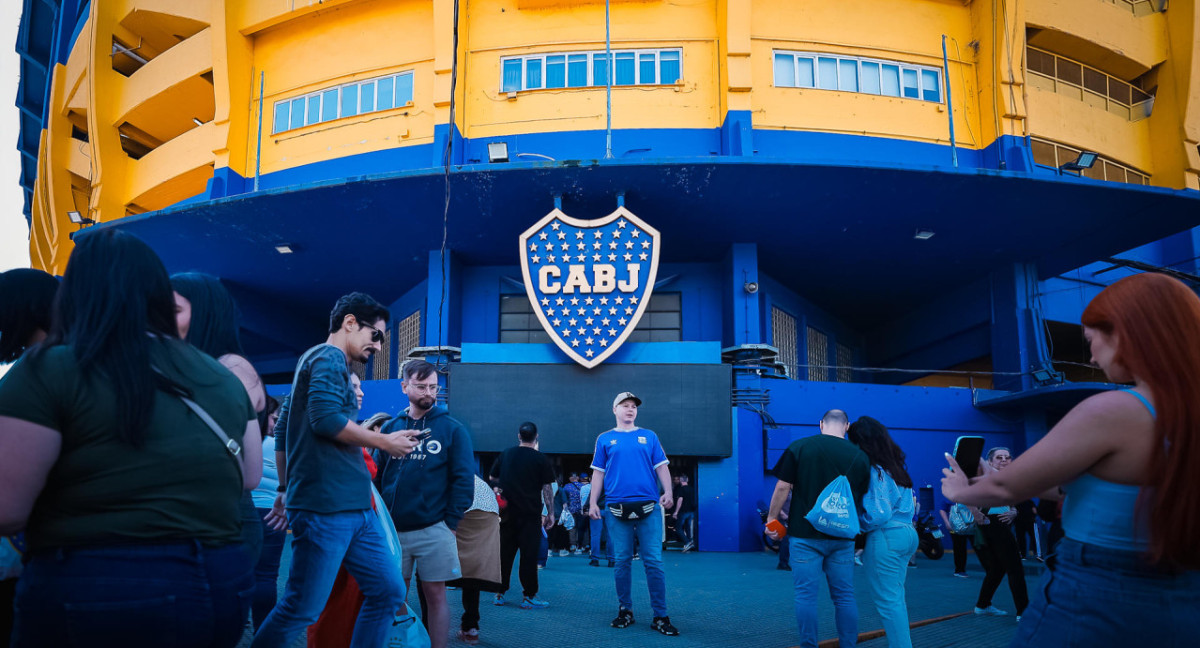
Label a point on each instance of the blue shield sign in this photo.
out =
(589, 281)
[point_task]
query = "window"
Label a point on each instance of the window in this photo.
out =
(854, 74)
(818, 355)
(662, 320)
(408, 336)
(845, 360)
(347, 100)
(1059, 74)
(380, 361)
(589, 69)
(783, 337)
(1054, 154)
(518, 323)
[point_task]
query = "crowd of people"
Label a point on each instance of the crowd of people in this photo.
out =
(151, 484)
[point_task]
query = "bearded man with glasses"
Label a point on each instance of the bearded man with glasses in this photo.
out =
(428, 492)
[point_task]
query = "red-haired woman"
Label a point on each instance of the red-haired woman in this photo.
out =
(1128, 571)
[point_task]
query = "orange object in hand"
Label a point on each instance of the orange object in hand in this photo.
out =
(776, 527)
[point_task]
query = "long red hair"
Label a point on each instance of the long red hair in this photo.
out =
(1157, 323)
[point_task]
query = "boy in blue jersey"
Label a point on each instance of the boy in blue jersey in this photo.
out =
(627, 461)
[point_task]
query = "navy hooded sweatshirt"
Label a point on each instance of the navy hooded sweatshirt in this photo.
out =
(436, 482)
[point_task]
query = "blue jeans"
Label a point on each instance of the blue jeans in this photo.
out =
(648, 534)
(886, 559)
(266, 572)
(166, 594)
(835, 558)
(322, 542)
(686, 526)
(1092, 596)
(600, 530)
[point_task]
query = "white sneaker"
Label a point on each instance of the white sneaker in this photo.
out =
(688, 547)
(564, 552)
(990, 610)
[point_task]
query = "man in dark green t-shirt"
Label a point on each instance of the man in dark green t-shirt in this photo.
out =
(804, 470)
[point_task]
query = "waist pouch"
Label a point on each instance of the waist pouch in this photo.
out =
(632, 510)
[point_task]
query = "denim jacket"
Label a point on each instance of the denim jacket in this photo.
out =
(885, 502)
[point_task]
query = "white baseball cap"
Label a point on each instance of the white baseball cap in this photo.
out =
(624, 396)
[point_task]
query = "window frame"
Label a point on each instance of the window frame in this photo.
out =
(593, 56)
(323, 108)
(840, 61)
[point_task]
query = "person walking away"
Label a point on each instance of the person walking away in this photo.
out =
(325, 488)
(624, 467)
(266, 570)
(886, 516)
(428, 492)
(1127, 572)
(127, 494)
(524, 476)
(685, 513)
(478, 538)
(804, 470)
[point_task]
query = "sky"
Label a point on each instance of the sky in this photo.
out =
(14, 233)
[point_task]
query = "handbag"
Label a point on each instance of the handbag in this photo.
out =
(962, 521)
(632, 510)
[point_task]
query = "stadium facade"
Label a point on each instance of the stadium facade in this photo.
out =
(884, 206)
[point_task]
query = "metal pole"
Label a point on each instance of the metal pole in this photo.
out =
(608, 81)
(262, 82)
(949, 103)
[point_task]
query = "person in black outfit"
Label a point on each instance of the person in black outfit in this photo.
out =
(998, 551)
(1049, 524)
(1025, 527)
(958, 540)
(524, 476)
(685, 513)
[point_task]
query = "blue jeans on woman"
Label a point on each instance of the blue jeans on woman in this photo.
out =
(1094, 596)
(266, 572)
(169, 594)
(810, 558)
(886, 559)
(647, 532)
(321, 543)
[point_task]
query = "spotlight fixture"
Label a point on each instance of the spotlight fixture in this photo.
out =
(497, 152)
(750, 287)
(923, 234)
(285, 248)
(196, 120)
(1085, 161)
(79, 219)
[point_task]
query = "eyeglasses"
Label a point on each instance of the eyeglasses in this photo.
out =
(376, 334)
(426, 389)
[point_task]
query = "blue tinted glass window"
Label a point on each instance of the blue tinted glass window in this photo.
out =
(646, 72)
(600, 69)
(804, 72)
(910, 85)
(890, 80)
(868, 80)
(512, 75)
(785, 70)
(929, 86)
(556, 71)
(626, 69)
(329, 105)
(404, 89)
(367, 97)
(848, 75)
(668, 67)
(349, 101)
(577, 70)
(281, 116)
(297, 113)
(533, 74)
(314, 110)
(387, 90)
(827, 73)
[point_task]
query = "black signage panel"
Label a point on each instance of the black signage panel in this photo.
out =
(687, 405)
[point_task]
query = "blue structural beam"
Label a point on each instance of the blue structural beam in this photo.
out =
(1018, 329)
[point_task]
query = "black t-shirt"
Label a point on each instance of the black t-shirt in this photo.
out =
(688, 493)
(522, 473)
(809, 464)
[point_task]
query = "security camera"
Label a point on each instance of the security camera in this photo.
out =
(751, 287)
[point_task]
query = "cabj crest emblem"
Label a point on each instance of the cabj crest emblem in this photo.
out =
(589, 281)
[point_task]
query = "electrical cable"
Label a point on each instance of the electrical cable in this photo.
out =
(446, 160)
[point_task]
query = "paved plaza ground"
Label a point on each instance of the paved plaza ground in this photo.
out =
(727, 600)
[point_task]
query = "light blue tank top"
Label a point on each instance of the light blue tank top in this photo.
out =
(1102, 513)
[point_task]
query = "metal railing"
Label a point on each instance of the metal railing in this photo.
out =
(1087, 84)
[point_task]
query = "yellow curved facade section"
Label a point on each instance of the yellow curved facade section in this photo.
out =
(158, 96)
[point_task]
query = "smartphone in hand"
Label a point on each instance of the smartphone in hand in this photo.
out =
(967, 452)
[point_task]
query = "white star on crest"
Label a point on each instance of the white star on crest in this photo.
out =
(613, 332)
(588, 301)
(596, 311)
(565, 246)
(604, 321)
(628, 245)
(558, 302)
(595, 257)
(633, 300)
(628, 256)
(582, 310)
(545, 301)
(574, 301)
(635, 233)
(535, 258)
(579, 235)
(542, 236)
(612, 245)
(533, 247)
(550, 257)
(588, 321)
(642, 256)
(580, 246)
(554, 226)
(580, 258)
(595, 331)
(603, 343)
(574, 343)
(612, 257)
(588, 341)
(589, 353)
(596, 245)
(549, 311)
(622, 321)
(645, 245)
(582, 331)
(566, 332)
(621, 223)
(599, 233)
(612, 311)
(562, 235)
(620, 300)
(616, 234)
(556, 321)
(628, 311)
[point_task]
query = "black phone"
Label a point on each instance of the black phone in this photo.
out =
(967, 452)
(425, 434)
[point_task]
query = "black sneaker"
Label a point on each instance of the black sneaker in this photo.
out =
(624, 619)
(612, 563)
(594, 563)
(663, 625)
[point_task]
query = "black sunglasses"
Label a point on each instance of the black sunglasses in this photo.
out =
(376, 334)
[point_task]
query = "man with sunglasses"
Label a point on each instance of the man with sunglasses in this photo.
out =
(428, 492)
(325, 486)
